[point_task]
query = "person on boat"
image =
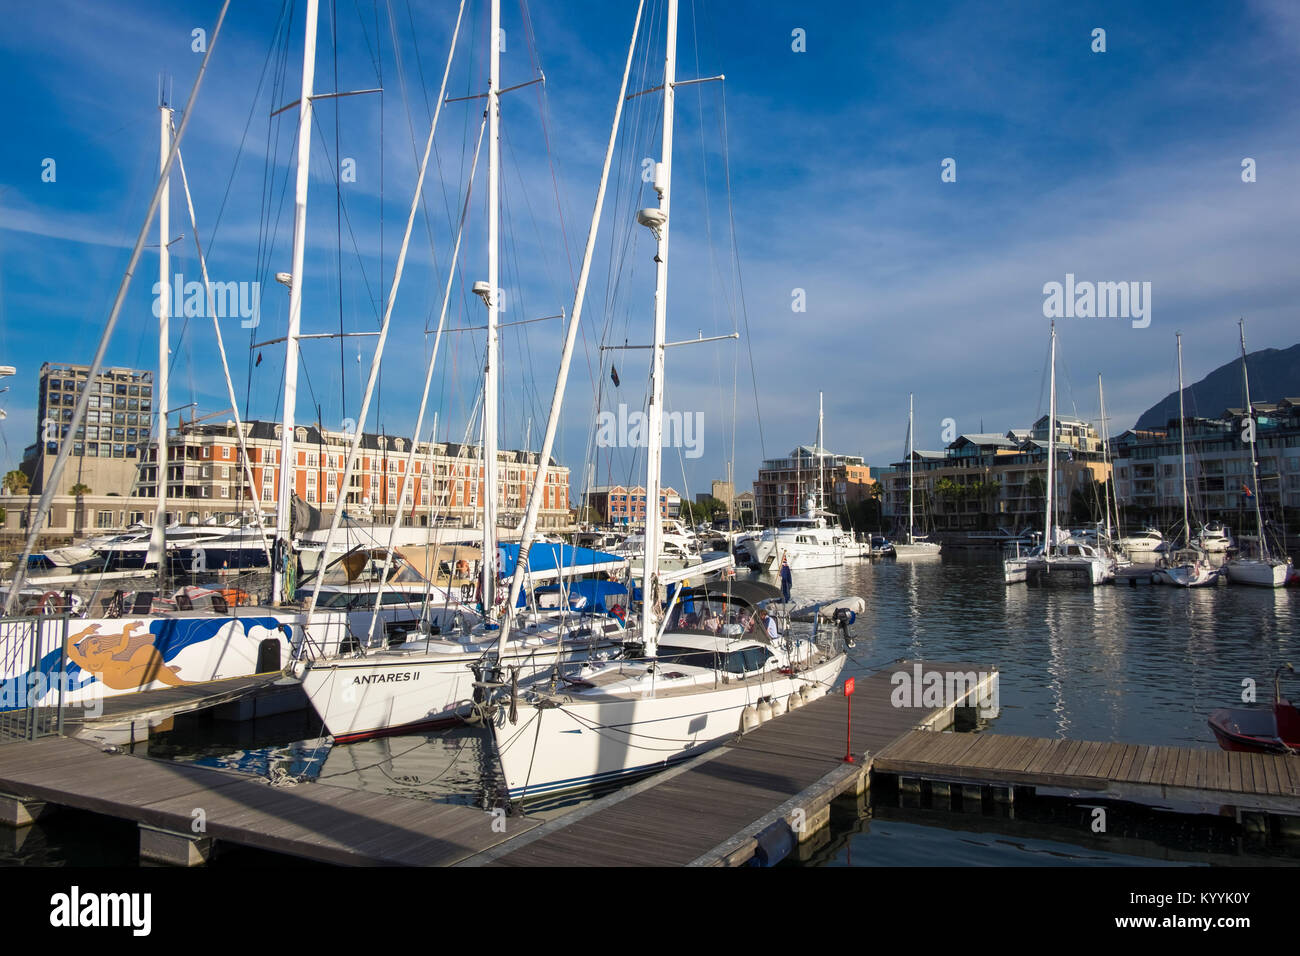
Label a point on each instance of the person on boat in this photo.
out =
(767, 623)
(787, 579)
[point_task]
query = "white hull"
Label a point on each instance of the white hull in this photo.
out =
(587, 742)
(1258, 573)
(805, 557)
(115, 657)
(921, 549)
(1015, 570)
(1187, 576)
(418, 684)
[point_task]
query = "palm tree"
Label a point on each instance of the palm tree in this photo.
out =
(16, 483)
(80, 491)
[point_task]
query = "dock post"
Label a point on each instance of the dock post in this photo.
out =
(172, 848)
(18, 811)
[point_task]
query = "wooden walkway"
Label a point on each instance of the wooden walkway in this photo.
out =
(1177, 777)
(709, 811)
(312, 821)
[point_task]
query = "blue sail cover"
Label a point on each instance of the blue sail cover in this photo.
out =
(545, 557)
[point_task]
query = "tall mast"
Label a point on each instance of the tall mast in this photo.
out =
(821, 461)
(1182, 442)
(157, 540)
(1048, 541)
(490, 371)
(911, 469)
(1254, 465)
(288, 457)
(654, 453)
(562, 377)
(1105, 454)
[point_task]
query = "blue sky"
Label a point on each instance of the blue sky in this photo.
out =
(1115, 166)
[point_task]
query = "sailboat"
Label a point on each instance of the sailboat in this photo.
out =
(1060, 556)
(1188, 567)
(128, 647)
(1263, 570)
(913, 545)
(432, 677)
(697, 680)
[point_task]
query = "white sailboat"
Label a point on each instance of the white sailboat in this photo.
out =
(433, 677)
(697, 684)
(1261, 570)
(129, 647)
(1060, 557)
(1188, 567)
(913, 545)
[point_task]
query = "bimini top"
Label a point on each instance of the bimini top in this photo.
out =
(748, 593)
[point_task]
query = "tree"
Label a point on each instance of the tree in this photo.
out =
(79, 489)
(16, 483)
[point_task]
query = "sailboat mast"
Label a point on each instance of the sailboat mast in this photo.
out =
(288, 457)
(911, 470)
(821, 461)
(158, 539)
(1105, 454)
(566, 355)
(1182, 442)
(491, 371)
(1048, 541)
(654, 453)
(1254, 465)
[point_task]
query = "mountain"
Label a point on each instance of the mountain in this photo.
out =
(1274, 375)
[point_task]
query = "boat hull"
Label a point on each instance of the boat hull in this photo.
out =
(116, 657)
(397, 691)
(563, 744)
(1257, 573)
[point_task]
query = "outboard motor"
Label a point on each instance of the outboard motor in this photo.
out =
(843, 617)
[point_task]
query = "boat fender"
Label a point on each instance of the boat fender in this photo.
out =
(748, 719)
(794, 702)
(773, 844)
(778, 707)
(764, 711)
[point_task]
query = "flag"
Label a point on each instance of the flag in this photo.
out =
(1247, 492)
(613, 374)
(259, 360)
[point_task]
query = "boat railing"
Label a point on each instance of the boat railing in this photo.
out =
(34, 676)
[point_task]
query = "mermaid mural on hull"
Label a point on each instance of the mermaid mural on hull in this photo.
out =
(125, 661)
(138, 655)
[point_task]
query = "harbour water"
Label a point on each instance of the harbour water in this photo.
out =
(1134, 665)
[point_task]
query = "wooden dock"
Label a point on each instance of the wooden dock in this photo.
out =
(1175, 778)
(711, 811)
(182, 808)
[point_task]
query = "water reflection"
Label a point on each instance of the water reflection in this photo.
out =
(1137, 665)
